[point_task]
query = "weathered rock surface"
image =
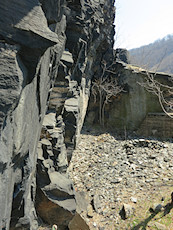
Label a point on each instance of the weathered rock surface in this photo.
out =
(87, 31)
(32, 39)
(27, 48)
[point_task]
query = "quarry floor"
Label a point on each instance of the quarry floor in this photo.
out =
(110, 172)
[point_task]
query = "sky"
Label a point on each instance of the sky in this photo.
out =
(140, 22)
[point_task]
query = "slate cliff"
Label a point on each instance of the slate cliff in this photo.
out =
(42, 42)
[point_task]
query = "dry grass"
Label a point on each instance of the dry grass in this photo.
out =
(143, 219)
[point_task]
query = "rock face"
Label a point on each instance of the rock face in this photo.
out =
(86, 34)
(33, 36)
(28, 49)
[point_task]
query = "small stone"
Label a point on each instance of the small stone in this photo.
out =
(133, 199)
(141, 140)
(160, 226)
(94, 224)
(45, 142)
(160, 166)
(105, 211)
(111, 217)
(126, 211)
(166, 159)
(165, 179)
(117, 199)
(90, 211)
(156, 208)
(114, 163)
(117, 180)
(97, 203)
(101, 228)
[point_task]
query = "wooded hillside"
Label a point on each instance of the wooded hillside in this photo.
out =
(157, 56)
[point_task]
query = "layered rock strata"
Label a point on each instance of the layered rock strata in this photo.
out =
(69, 101)
(32, 39)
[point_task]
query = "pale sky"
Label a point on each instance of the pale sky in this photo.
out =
(140, 22)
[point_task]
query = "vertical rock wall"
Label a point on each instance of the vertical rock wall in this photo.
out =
(32, 40)
(28, 50)
(89, 41)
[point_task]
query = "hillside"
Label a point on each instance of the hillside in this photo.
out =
(157, 56)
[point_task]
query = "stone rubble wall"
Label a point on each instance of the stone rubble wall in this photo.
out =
(129, 110)
(158, 125)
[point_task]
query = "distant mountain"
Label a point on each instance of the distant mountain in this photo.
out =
(157, 56)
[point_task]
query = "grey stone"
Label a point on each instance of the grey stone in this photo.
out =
(156, 208)
(82, 201)
(117, 180)
(134, 199)
(126, 211)
(97, 203)
(67, 57)
(49, 120)
(45, 142)
(90, 211)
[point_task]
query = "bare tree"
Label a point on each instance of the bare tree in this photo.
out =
(162, 91)
(104, 89)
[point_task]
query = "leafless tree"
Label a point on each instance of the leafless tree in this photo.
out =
(104, 89)
(162, 91)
